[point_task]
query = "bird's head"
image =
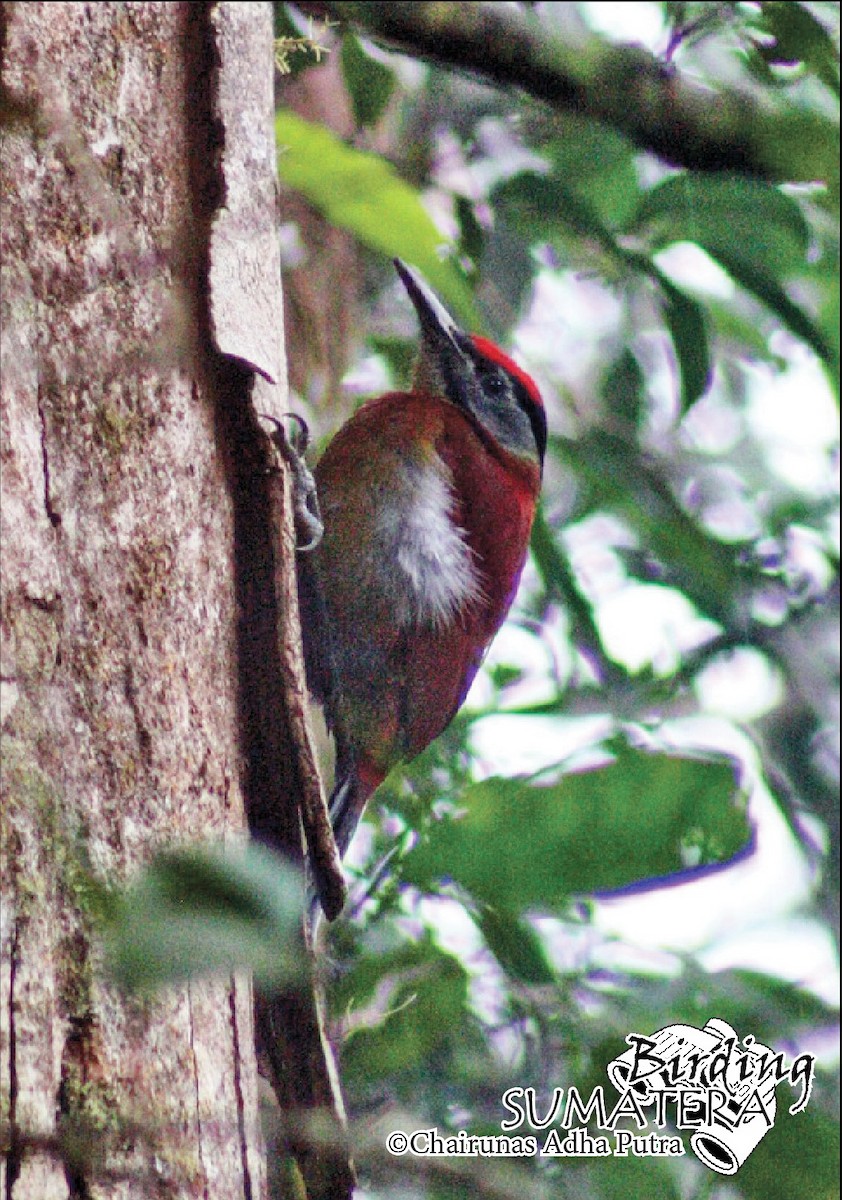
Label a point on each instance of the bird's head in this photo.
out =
(476, 376)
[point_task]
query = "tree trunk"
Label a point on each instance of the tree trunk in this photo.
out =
(121, 555)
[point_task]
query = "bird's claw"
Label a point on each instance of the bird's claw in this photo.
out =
(309, 527)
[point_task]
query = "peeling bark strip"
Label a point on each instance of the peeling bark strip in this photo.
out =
(324, 863)
(283, 781)
(246, 316)
(246, 308)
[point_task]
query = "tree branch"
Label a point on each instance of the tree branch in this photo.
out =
(623, 86)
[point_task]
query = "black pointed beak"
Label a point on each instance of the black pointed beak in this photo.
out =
(437, 324)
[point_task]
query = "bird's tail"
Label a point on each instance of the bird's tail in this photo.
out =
(351, 790)
(347, 802)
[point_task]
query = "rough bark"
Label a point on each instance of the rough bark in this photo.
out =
(123, 563)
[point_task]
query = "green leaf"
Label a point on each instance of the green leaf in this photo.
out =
(766, 288)
(829, 317)
(472, 235)
(796, 1149)
(361, 192)
(522, 845)
(392, 959)
(370, 83)
(631, 1178)
(728, 214)
(744, 335)
(515, 945)
(685, 320)
(798, 37)
(596, 163)
(775, 1007)
(201, 910)
(624, 389)
(758, 234)
(770, 1009)
(541, 206)
(422, 1011)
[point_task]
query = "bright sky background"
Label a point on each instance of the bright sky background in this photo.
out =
(627, 22)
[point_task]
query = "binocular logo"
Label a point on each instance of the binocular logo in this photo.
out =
(727, 1089)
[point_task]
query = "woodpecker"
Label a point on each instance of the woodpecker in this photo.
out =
(427, 499)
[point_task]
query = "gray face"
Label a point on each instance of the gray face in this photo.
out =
(497, 400)
(451, 365)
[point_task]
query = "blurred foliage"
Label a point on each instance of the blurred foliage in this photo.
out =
(358, 191)
(200, 910)
(370, 84)
(470, 959)
(639, 816)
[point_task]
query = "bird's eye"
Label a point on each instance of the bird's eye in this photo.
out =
(493, 384)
